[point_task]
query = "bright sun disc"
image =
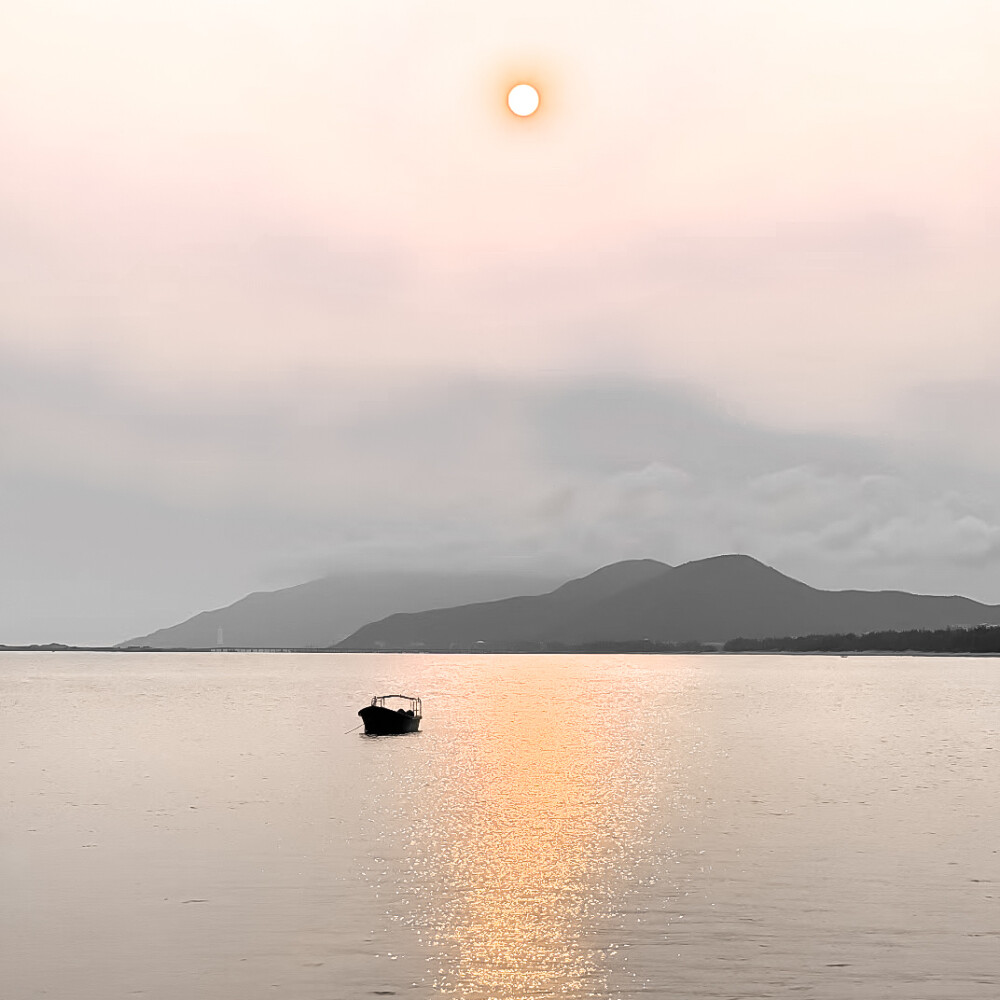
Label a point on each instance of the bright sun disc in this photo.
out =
(523, 100)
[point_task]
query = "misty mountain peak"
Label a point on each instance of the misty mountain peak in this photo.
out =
(611, 579)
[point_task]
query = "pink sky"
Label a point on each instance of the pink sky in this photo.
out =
(340, 184)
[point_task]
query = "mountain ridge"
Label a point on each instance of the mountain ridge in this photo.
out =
(707, 600)
(319, 613)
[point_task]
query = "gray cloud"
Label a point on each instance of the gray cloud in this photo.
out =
(119, 502)
(955, 416)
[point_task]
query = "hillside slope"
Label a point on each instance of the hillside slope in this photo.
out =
(708, 600)
(322, 612)
(513, 619)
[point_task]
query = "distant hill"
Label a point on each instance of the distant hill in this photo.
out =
(322, 612)
(708, 600)
(499, 622)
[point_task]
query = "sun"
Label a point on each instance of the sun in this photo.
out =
(523, 100)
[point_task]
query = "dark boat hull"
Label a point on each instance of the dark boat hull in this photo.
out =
(381, 721)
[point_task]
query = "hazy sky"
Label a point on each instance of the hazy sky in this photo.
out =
(285, 288)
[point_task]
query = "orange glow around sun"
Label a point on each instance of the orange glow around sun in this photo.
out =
(525, 91)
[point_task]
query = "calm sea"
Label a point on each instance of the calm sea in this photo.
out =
(204, 826)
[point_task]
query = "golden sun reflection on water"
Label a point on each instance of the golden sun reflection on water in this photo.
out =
(544, 793)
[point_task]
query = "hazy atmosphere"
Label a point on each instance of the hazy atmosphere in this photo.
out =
(286, 289)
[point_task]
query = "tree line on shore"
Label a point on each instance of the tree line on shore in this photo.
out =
(974, 639)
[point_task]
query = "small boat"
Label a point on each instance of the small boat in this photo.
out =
(381, 720)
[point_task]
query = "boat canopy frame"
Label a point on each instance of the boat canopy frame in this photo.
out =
(416, 706)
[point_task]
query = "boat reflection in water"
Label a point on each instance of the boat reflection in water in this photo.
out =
(536, 859)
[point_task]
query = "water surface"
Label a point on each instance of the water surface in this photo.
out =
(184, 825)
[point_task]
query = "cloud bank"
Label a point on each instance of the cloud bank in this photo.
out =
(142, 492)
